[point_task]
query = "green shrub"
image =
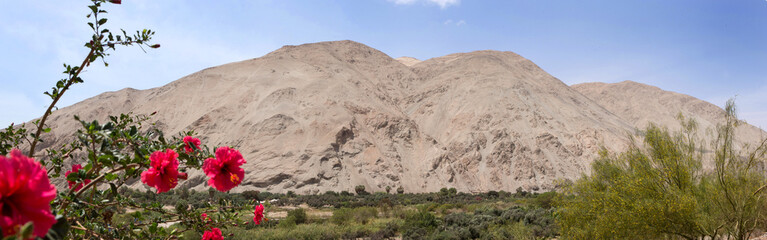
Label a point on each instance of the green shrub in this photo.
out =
(298, 216)
(251, 195)
(365, 214)
(658, 190)
(544, 200)
(492, 194)
(419, 224)
(181, 206)
(516, 231)
(341, 216)
(361, 215)
(360, 190)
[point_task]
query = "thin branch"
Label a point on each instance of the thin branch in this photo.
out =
(48, 112)
(94, 182)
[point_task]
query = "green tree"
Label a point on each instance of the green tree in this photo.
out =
(659, 190)
(444, 192)
(360, 190)
(734, 193)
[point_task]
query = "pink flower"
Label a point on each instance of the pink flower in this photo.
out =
(188, 141)
(258, 214)
(213, 234)
(163, 173)
(224, 170)
(25, 195)
(205, 218)
(74, 184)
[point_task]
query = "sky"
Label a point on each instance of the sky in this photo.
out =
(710, 49)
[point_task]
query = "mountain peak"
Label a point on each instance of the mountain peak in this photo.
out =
(345, 50)
(408, 61)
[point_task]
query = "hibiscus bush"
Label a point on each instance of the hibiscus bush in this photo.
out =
(105, 158)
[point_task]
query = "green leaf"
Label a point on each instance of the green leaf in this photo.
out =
(73, 177)
(110, 177)
(153, 228)
(47, 130)
(133, 131)
(102, 21)
(113, 187)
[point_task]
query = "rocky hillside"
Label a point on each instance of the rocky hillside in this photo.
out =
(333, 115)
(640, 104)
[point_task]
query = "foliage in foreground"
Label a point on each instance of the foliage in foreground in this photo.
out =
(660, 190)
(438, 215)
(102, 159)
(506, 218)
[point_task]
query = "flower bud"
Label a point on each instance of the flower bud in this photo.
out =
(155, 46)
(182, 175)
(115, 1)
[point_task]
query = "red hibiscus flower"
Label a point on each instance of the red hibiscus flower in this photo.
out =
(74, 184)
(213, 234)
(163, 172)
(188, 141)
(258, 214)
(224, 170)
(25, 195)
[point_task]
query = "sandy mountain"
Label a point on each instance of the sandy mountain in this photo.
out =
(640, 104)
(505, 123)
(333, 115)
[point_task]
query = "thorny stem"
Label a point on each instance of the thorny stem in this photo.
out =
(48, 112)
(81, 227)
(86, 62)
(94, 182)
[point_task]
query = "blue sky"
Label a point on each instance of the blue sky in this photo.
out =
(710, 49)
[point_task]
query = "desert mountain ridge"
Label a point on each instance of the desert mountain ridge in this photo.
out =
(641, 104)
(333, 115)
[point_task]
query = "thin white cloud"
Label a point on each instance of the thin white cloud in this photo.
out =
(458, 23)
(441, 3)
(403, 2)
(445, 3)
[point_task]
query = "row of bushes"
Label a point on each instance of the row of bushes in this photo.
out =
(329, 198)
(489, 223)
(485, 222)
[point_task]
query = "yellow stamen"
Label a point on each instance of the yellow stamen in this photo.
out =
(234, 178)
